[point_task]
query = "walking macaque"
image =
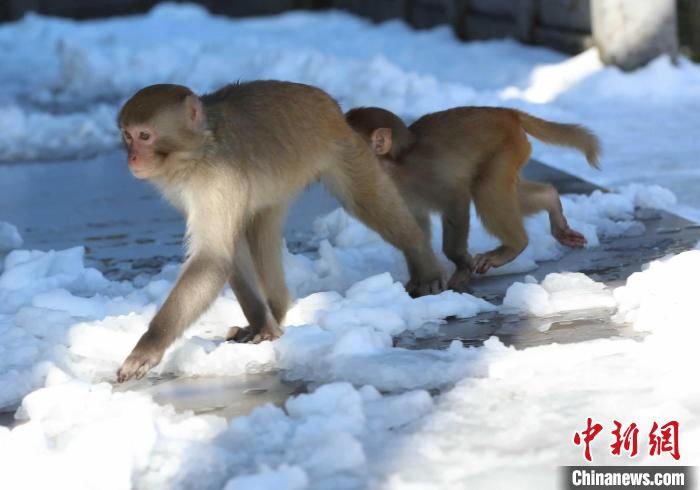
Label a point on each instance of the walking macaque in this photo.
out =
(445, 160)
(231, 161)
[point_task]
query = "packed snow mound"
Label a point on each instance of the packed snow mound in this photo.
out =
(9, 237)
(558, 292)
(661, 298)
(520, 409)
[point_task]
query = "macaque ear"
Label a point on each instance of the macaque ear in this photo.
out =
(194, 111)
(381, 141)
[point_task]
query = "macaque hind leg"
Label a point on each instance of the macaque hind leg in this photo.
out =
(536, 197)
(244, 282)
(455, 235)
(369, 193)
(496, 200)
(265, 238)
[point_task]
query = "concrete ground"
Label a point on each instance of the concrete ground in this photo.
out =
(128, 229)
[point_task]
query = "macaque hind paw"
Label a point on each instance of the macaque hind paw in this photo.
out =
(244, 335)
(460, 281)
(484, 262)
(570, 238)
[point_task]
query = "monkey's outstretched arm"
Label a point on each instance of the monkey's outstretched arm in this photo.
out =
(197, 287)
(203, 276)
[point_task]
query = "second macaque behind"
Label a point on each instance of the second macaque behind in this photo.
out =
(445, 160)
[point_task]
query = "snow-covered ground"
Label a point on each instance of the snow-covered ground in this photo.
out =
(504, 418)
(63, 80)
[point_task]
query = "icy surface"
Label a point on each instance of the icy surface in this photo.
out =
(63, 81)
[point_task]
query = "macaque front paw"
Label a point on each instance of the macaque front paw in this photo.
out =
(460, 281)
(417, 288)
(250, 335)
(147, 353)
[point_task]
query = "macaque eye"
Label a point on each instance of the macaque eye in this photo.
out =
(143, 135)
(126, 135)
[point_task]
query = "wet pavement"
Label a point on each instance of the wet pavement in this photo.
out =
(128, 229)
(226, 396)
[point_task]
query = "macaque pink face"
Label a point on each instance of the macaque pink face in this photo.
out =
(140, 144)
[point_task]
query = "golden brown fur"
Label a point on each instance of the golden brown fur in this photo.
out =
(467, 154)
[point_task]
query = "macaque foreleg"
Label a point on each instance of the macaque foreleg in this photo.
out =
(197, 287)
(455, 235)
(535, 197)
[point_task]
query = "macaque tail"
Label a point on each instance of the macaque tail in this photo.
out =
(571, 135)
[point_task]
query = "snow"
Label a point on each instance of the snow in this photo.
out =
(63, 81)
(638, 298)
(347, 310)
(370, 419)
(559, 292)
(9, 237)
(503, 418)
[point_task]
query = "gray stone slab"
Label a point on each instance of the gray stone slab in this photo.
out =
(481, 27)
(689, 27)
(505, 8)
(424, 14)
(570, 14)
(566, 41)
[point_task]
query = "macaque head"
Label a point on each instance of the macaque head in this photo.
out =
(383, 130)
(158, 121)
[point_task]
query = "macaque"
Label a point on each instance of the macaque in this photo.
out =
(231, 161)
(445, 160)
